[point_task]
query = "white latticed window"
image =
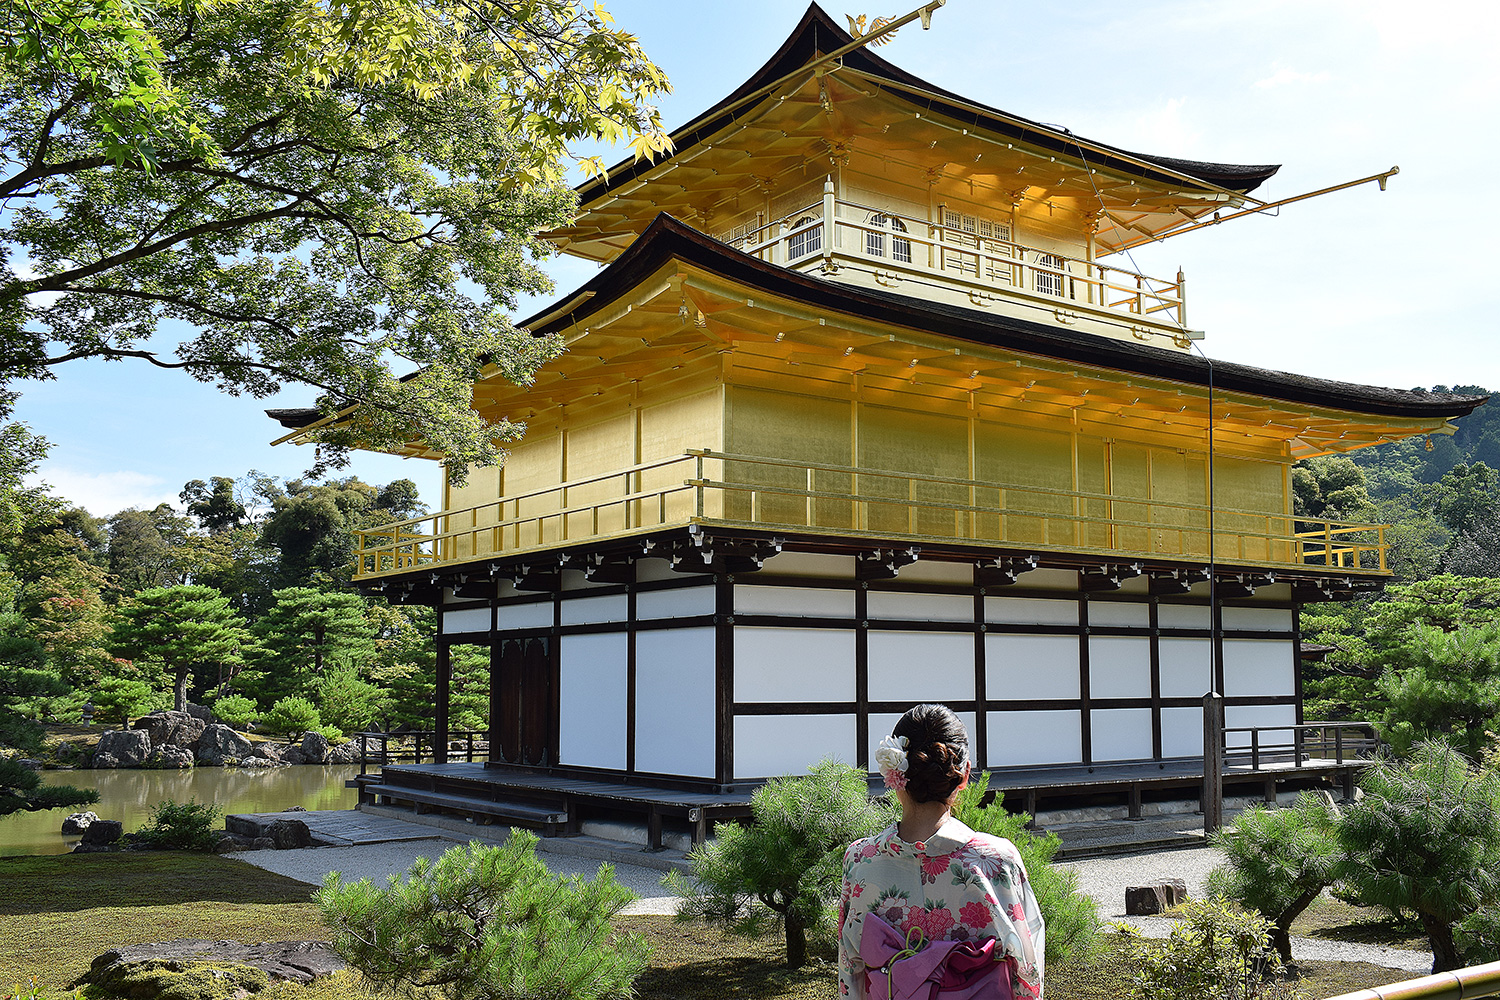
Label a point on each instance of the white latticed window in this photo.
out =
(987, 238)
(875, 241)
(806, 238)
(1049, 277)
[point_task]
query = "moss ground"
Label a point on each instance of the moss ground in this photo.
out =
(57, 913)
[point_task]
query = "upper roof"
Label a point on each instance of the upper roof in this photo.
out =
(668, 239)
(1143, 195)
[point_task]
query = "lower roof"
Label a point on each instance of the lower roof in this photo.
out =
(667, 239)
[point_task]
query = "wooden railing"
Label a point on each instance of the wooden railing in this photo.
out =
(970, 259)
(1296, 745)
(402, 746)
(710, 487)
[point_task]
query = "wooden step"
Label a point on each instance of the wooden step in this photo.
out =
(521, 811)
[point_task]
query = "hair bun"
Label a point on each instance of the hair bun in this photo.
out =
(937, 751)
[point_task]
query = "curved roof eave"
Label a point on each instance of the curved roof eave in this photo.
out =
(802, 46)
(667, 239)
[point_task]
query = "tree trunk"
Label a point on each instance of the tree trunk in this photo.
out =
(796, 943)
(1444, 951)
(179, 694)
(1281, 933)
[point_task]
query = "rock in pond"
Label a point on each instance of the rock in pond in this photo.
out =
(77, 823)
(170, 728)
(169, 757)
(102, 832)
(123, 747)
(220, 745)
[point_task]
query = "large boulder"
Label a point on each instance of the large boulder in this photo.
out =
(220, 745)
(123, 748)
(289, 834)
(293, 755)
(168, 728)
(102, 832)
(203, 970)
(314, 747)
(344, 753)
(77, 823)
(169, 757)
(266, 750)
(201, 713)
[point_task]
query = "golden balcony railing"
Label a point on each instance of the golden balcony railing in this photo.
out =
(714, 488)
(964, 255)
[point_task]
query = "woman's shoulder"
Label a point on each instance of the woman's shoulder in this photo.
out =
(868, 847)
(992, 846)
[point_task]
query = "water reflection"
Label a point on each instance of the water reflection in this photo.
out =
(129, 796)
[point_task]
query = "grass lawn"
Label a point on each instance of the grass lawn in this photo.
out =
(58, 912)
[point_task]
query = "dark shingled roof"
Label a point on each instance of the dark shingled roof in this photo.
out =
(804, 45)
(295, 418)
(667, 238)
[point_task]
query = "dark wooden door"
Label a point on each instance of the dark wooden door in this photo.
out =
(522, 699)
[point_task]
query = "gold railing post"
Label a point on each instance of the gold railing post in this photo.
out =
(698, 489)
(811, 516)
(1181, 299)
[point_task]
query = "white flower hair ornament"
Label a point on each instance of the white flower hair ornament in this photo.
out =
(891, 758)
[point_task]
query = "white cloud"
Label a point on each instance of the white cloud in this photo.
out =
(1284, 75)
(105, 493)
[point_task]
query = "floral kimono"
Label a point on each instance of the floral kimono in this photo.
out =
(959, 886)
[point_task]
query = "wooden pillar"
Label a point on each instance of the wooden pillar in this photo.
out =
(444, 675)
(1212, 797)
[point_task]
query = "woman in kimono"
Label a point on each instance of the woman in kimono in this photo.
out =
(930, 909)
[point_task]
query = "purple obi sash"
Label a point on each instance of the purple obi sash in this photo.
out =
(943, 970)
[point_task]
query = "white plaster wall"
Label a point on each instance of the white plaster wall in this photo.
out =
(682, 602)
(793, 664)
(509, 616)
(674, 701)
(1259, 667)
(1183, 616)
(920, 666)
(1018, 739)
(932, 571)
(472, 620)
(1186, 667)
(1119, 666)
(1259, 619)
(589, 610)
(1119, 613)
(1048, 579)
(881, 725)
(1030, 611)
(1182, 732)
(1030, 666)
(803, 602)
(651, 570)
(921, 607)
(592, 698)
(811, 564)
(1236, 716)
(766, 746)
(1121, 733)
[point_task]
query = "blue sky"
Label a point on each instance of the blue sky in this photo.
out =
(1393, 288)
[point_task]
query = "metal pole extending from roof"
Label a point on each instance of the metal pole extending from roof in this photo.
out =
(1380, 178)
(924, 12)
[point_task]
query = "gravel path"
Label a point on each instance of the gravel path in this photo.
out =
(1103, 878)
(378, 862)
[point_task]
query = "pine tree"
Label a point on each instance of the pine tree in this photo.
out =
(183, 629)
(487, 923)
(784, 869)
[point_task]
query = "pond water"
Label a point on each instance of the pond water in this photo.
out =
(130, 795)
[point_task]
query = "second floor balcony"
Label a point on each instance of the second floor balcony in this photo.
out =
(714, 489)
(969, 261)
